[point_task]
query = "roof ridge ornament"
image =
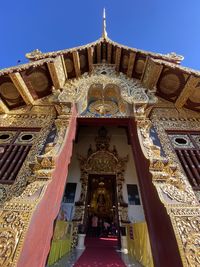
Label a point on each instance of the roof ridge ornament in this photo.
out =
(104, 33)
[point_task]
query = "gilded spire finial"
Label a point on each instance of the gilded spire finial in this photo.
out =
(104, 33)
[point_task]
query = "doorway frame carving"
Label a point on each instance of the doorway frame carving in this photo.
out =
(173, 190)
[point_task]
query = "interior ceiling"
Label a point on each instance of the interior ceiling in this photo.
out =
(25, 84)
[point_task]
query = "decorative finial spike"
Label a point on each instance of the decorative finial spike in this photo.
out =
(104, 33)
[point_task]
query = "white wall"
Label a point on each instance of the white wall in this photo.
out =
(119, 139)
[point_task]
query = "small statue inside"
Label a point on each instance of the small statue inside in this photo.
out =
(101, 202)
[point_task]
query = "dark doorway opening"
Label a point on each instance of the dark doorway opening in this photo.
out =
(102, 203)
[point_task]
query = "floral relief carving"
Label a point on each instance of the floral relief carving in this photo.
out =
(13, 225)
(184, 195)
(131, 90)
(189, 231)
(7, 248)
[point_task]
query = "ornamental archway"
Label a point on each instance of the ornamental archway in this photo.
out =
(168, 187)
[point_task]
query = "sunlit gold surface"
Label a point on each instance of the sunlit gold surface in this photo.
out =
(19, 200)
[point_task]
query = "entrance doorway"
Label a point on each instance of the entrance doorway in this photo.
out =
(102, 203)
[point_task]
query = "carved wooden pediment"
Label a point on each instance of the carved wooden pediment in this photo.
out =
(105, 93)
(103, 159)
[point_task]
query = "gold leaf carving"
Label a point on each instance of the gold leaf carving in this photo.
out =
(7, 246)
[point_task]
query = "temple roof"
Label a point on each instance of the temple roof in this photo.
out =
(26, 84)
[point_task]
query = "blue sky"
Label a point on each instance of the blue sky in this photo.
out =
(154, 25)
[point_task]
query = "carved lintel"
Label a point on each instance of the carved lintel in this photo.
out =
(3, 107)
(117, 58)
(90, 58)
(151, 74)
(131, 64)
(21, 87)
(109, 52)
(57, 72)
(76, 63)
(188, 89)
(99, 53)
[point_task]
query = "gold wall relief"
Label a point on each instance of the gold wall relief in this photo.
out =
(189, 230)
(167, 175)
(8, 243)
(12, 231)
(18, 201)
(186, 222)
(169, 178)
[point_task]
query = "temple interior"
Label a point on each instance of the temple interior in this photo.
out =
(101, 186)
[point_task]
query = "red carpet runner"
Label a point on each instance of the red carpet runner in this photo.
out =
(100, 252)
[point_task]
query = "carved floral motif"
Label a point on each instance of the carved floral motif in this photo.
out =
(189, 231)
(7, 248)
(12, 228)
(132, 91)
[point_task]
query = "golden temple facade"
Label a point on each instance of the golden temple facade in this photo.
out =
(42, 105)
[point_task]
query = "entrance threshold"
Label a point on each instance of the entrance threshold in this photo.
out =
(100, 251)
